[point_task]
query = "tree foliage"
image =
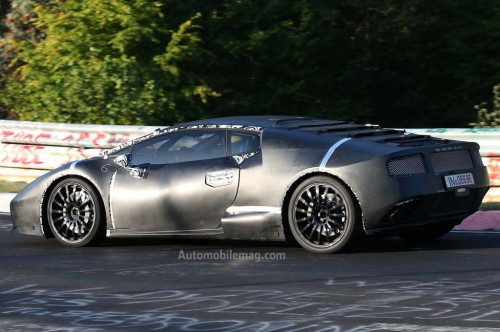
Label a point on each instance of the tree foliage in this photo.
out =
(415, 63)
(4, 10)
(105, 62)
(485, 117)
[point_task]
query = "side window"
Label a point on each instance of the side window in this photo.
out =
(181, 147)
(144, 152)
(241, 143)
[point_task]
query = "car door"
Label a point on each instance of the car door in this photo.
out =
(188, 183)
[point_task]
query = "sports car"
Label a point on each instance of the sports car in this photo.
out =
(323, 184)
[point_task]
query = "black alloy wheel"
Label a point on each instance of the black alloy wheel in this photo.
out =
(323, 216)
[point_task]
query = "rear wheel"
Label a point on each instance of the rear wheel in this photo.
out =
(74, 213)
(427, 232)
(323, 216)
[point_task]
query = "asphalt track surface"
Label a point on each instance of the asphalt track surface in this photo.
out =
(452, 284)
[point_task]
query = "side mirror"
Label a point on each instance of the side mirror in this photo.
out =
(136, 172)
(123, 160)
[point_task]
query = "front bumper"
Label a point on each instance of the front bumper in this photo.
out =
(25, 213)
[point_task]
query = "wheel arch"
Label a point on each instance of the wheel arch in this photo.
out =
(43, 204)
(296, 183)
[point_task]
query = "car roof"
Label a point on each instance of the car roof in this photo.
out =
(264, 121)
(322, 126)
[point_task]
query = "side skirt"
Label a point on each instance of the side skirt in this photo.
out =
(253, 226)
(112, 233)
(260, 226)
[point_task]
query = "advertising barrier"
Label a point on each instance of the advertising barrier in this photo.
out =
(28, 149)
(487, 138)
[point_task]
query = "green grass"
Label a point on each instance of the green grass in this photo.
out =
(490, 206)
(15, 187)
(11, 187)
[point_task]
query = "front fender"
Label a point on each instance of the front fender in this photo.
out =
(26, 208)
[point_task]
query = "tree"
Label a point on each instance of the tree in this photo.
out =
(405, 64)
(4, 10)
(18, 28)
(485, 117)
(106, 62)
(419, 63)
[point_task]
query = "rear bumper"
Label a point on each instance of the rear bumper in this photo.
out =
(445, 207)
(416, 195)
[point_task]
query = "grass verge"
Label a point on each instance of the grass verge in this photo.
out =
(490, 206)
(11, 187)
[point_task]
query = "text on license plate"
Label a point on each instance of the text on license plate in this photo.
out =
(459, 180)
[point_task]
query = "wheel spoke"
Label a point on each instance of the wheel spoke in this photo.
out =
(332, 209)
(65, 231)
(335, 223)
(311, 233)
(67, 193)
(303, 201)
(329, 231)
(84, 202)
(325, 195)
(73, 195)
(303, 229)
(58, 202)
(310, 195)
(58, 219)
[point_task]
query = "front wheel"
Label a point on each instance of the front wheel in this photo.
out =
(74, 213)
(323, 216)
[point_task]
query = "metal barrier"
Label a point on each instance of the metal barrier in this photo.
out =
(29, 149)
(487, 138)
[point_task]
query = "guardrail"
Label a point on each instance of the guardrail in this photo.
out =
(29, 149)
(487, 138)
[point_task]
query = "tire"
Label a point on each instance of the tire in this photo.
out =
(323, 216)
(427, 233)
(75, 214)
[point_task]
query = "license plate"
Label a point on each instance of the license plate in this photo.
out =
(459, 180)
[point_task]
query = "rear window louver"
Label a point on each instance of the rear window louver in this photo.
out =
(370, 132)
(414, 140)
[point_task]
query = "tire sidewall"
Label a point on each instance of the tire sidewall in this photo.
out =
(347, 234)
